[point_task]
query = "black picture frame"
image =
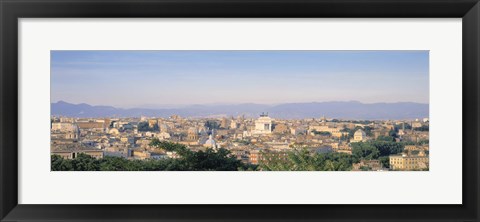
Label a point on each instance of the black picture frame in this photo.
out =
(12, 10)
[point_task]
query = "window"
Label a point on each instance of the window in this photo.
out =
(266, 127)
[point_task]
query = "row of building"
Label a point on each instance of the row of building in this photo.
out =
(246, 138)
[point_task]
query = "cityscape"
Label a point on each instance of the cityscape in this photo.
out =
(199, 111)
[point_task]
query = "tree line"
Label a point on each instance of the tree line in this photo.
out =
(208, 160)
(222, 160)
(305, 160)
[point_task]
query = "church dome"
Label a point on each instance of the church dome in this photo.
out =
(210, 142)
(360, 133)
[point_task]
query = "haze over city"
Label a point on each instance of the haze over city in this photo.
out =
(172, 79)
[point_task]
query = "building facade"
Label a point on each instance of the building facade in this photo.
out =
(409, 162)
(263, 125)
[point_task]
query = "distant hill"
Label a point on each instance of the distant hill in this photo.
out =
(341, 110)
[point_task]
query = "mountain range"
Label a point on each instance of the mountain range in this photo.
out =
(339, 110)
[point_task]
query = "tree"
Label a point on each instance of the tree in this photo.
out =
(388, 148)
(368, 130)
(57, 163)
(322, 133)
(211, 160)
(393, 133)
(172, 147)
(385, 160)
(243, 142)
(365, 168)
(210, 124)
(349, 132)
(361, 150)
(422, 128)
(85, 162)
(110, 163)
(144, 126)
(423, 142)
(336, 161)
(406, 126)
(219, 160)
(385, 138)
(303, 160)
(375, 149)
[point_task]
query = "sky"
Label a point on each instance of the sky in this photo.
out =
(160, 79)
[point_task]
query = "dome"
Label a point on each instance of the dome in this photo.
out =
(113, 131)
(210, 142)
(360, 133)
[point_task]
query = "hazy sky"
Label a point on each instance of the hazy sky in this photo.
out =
(159, 78)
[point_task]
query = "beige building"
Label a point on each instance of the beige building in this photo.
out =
(152, 123)
(192, 134)
(257, 156)
(130, 140)
(263, 125)
(68, 131)
(163, 135)
(234, 124)
(141, 154)
(412, 148)
(224, 123)
(409, 162)
(64, 127)
(381, 132)
(416, 124)
(99, 126)
(370, 165)
(280, 128)
(297, 130)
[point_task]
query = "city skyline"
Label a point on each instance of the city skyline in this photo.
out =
(162, 79)
(239, 111)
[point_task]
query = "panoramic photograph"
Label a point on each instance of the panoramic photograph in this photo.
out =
(239, 110)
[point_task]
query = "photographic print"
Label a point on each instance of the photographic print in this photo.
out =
(239, 110)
